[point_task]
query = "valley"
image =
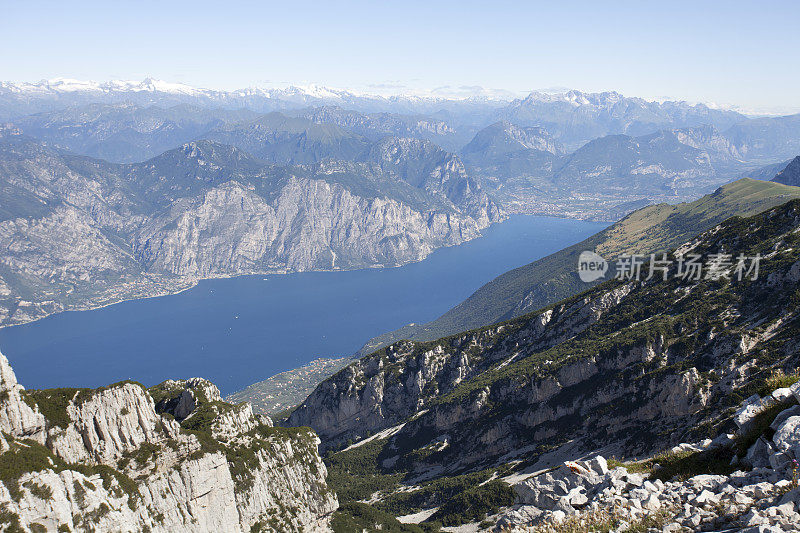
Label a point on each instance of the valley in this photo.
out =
(236, 331)
(306, 309)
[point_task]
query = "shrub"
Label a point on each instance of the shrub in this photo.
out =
(474, 504)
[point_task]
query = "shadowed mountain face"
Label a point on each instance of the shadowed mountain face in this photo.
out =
(78, 232)
(506, 150)
(125, 133)
(790, 175)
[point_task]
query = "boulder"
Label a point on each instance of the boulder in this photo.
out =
(783, 415)
(796, 391)
(749, 409)
(564, 488)
(782, 394)
(787, 437)
(759, 453)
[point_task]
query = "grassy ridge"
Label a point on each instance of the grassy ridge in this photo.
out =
(550, 279)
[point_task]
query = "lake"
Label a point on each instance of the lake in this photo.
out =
(241, 330)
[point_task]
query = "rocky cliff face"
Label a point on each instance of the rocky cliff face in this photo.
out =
(77, 233)
(790, 175)
(628, 367)
(311, 224)
(123, 458)
(386, 387)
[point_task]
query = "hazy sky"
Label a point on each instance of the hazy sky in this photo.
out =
(733, 52)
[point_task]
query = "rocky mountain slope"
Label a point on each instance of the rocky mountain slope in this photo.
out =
(575, 118)
(125, 133)
(176, 457)
(79, 232)
(607, 174)
(629, 368)
(767, 137)
(504, 150)
(376, 126)
(541, 283)
(790, 175)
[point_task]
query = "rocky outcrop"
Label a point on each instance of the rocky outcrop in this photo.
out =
(382, 389)
(790, 175)
(111, 460)
(584, 494)
(16, 416)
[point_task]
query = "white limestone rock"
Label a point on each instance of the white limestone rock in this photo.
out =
(121, 466)
(16, 416)
(787, 436)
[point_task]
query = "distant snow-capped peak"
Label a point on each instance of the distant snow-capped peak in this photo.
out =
(68, 85)
(305, 92)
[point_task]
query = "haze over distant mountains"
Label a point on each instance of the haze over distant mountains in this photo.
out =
(122, 190)
(162, 183)
(697, 148)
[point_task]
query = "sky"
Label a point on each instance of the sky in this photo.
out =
(733, 53)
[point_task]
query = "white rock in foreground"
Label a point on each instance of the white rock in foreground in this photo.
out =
(119, 465)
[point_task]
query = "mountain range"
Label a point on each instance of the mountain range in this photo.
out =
(530, 154)
(497, 416)
(78, 232)
(574, 117)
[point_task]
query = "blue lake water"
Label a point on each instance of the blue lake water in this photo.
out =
(241, 330)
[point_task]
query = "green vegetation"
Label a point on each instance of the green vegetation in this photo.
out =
(141, 455)
(165, 391)
(41, 491)
(278, 395)
(354, 517)
(10, 521)
(29, 456)
(474, 503)
(202, 418)
(649, 230)
(21, 458)
(243, 458)
(686, 464)
(52, 403)
(355, 474)
(683, 465)
(778, 380)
